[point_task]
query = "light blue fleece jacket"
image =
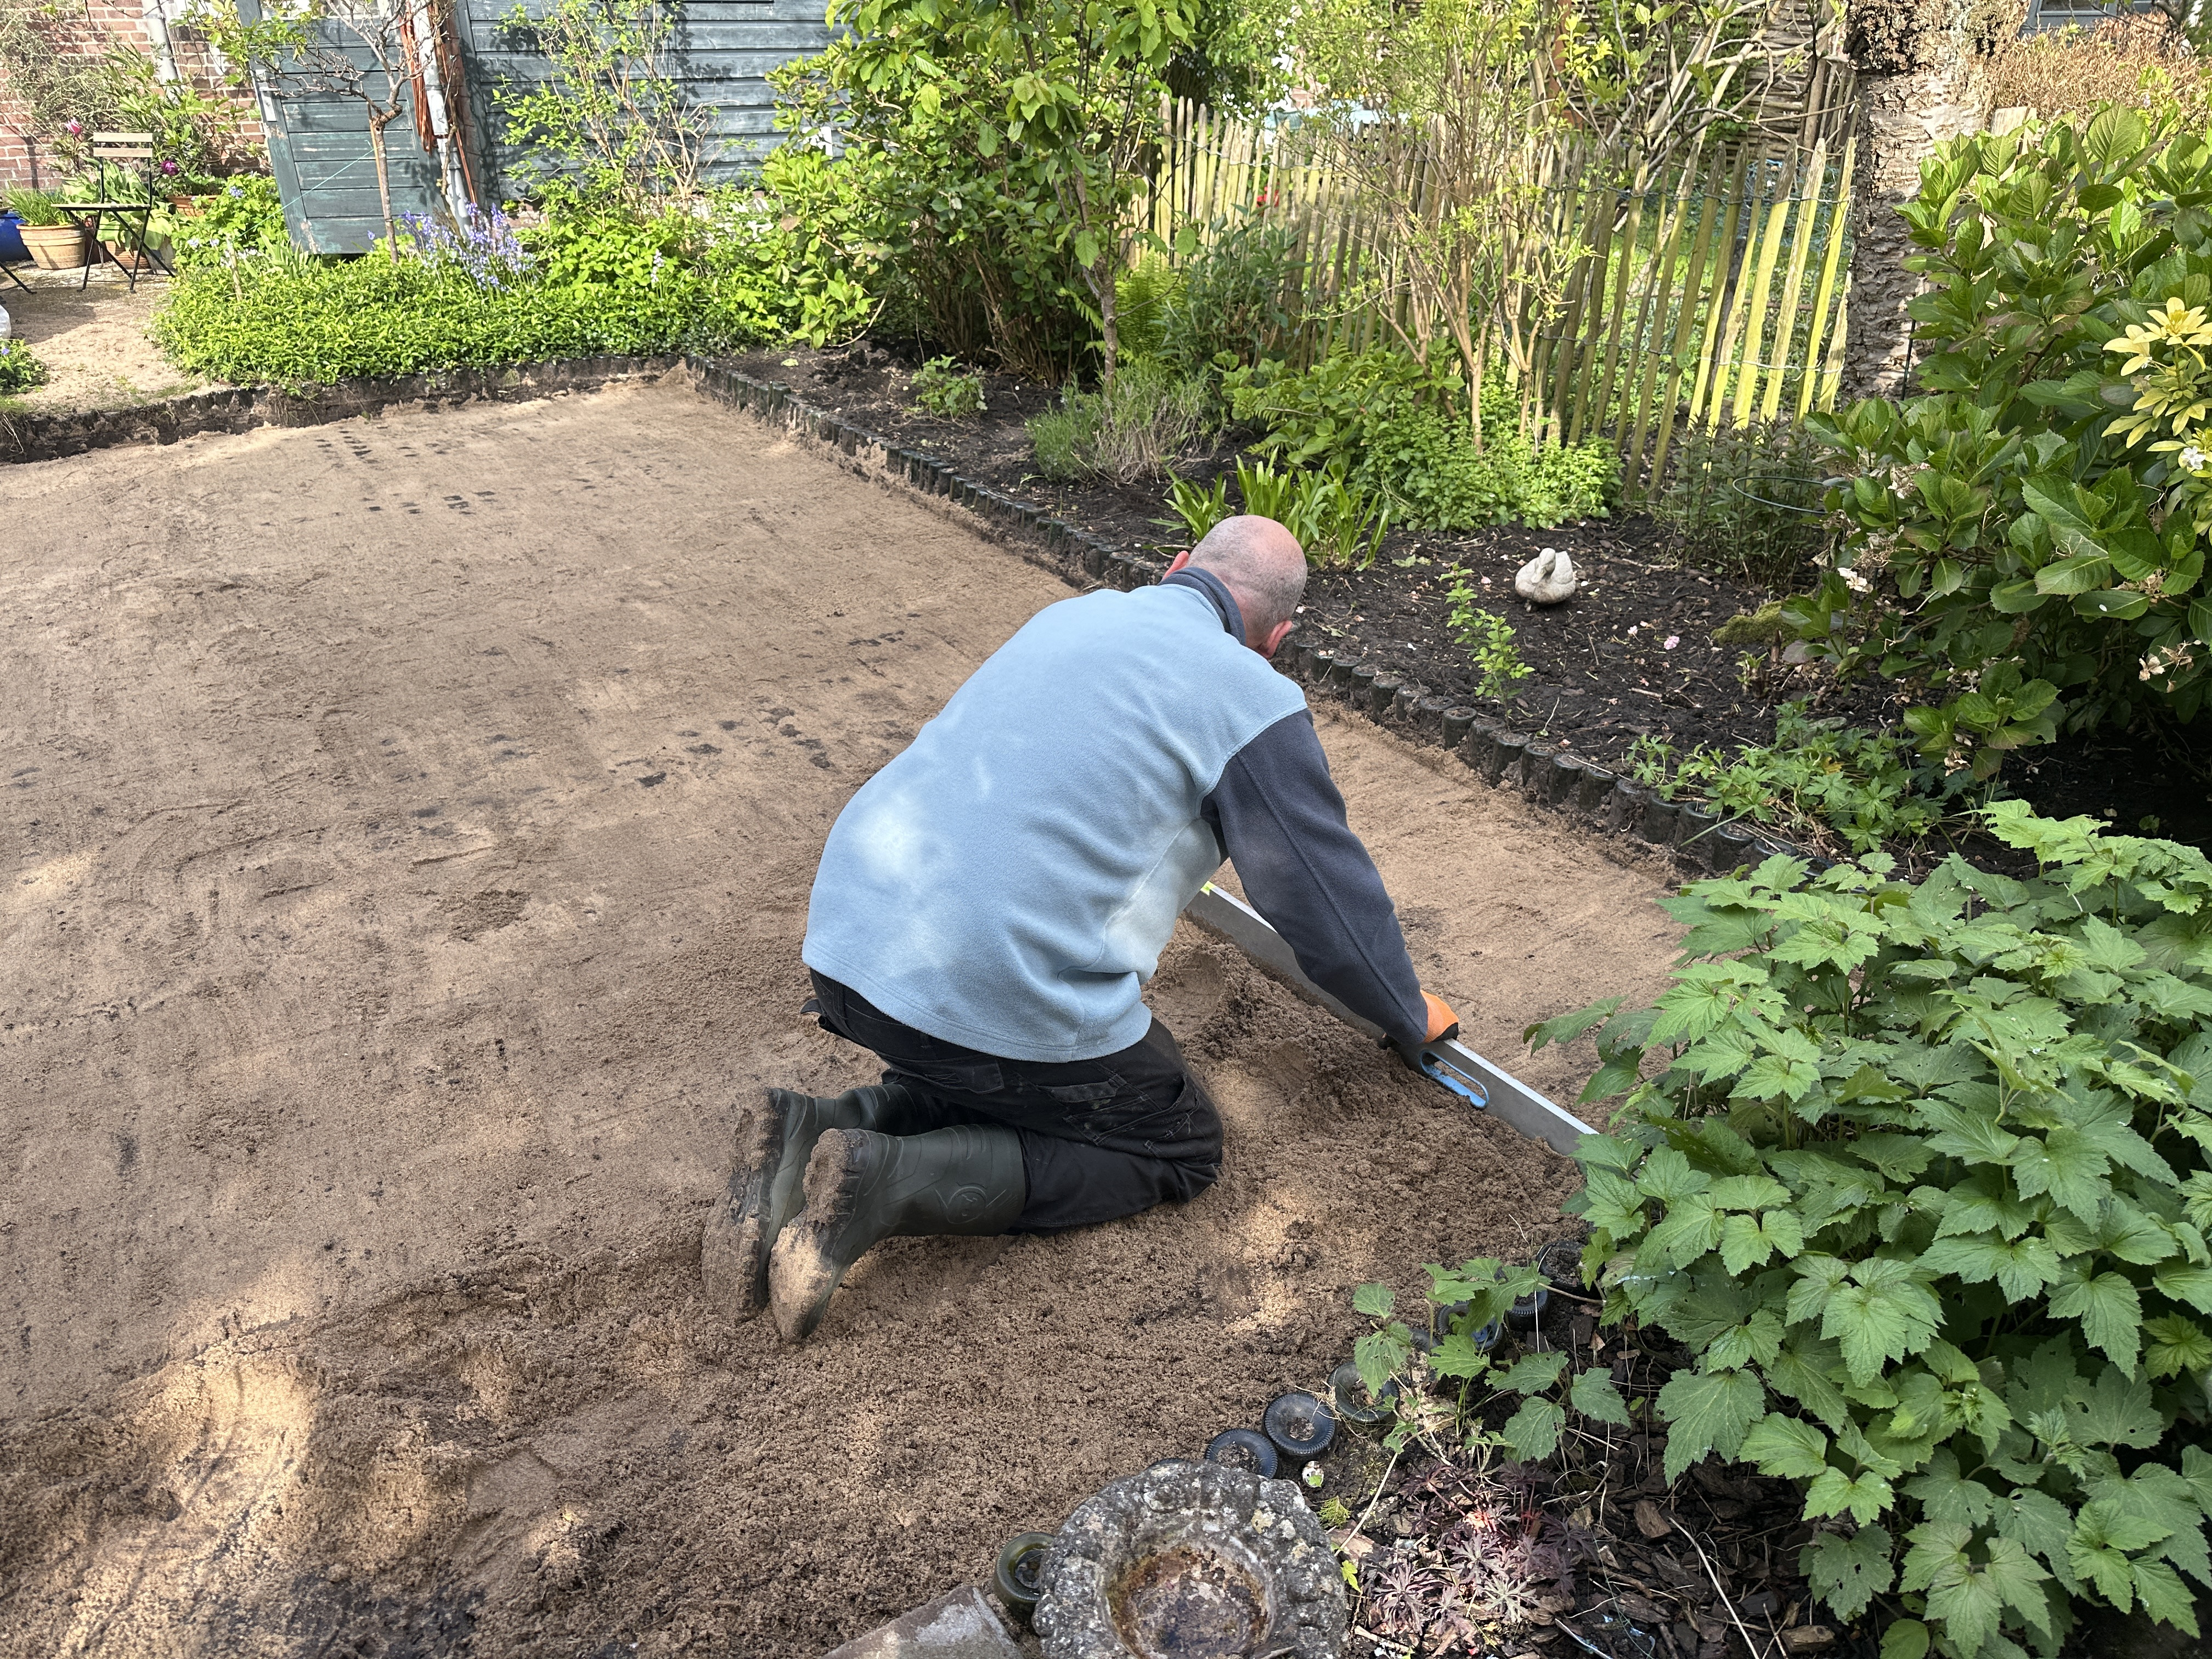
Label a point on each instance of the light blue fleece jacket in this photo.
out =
(1007, 883)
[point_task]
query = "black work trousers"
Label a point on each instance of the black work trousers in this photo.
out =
(1100, 1138)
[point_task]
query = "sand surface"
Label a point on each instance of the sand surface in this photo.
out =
(94, 341)
(406, 839)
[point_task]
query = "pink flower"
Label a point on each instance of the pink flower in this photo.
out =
(75, 129)
(1673, 640)
(168, 166)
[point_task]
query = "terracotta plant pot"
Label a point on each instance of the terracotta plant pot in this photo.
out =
(55, 247)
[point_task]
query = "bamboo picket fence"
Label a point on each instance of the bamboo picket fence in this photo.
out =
(1716, 296)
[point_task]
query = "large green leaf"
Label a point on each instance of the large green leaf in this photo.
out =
(1747, 1242)
(2077, 575)
(1884, 1314)
(1532, 1373)
(1785, 1446)
(1848, 1573)
(2022, 1267)
(1708, 1412)
(1533, 1431)
(1595, 1396)
(2112, 604)
(2109, 1309)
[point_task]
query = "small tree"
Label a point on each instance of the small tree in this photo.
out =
(611, 115)
(305, 49)
(1046, 109)
(1455, 119)
(1441, 119)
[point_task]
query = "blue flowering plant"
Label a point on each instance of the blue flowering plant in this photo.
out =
(479, 243)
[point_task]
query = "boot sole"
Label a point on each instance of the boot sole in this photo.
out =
(802, 1276)
(733, 1252)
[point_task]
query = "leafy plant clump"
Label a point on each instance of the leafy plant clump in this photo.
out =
(1487, 636)
(1476, 1548)
(1130, 433)
(21, 369)
(1229, 304)
(1334, 520)
(1402, 431)
(1818, 779)
(1451, 1393)
(2026, 544)
(244, 217)
(1196, 511)
(1922, 1181)
(585, 280)
(942, 388)
(35, 207)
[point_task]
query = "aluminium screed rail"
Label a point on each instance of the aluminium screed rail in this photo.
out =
(1451, 1064)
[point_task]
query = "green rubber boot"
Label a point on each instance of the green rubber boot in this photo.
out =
(862, 1188)
(776, 1138)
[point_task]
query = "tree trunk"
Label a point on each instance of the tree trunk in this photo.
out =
(1109, 331)
(1921, 67)
(376, 126)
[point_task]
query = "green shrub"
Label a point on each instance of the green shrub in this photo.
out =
(1818, 778)
(1920, 1181)
(1233, 306)
(1001, 150)
(1403, 430)
(1130, 434)
(1746, 500)
(942, 388)
(294, 322)
(2011, 556)
(246, 216)
(583, 283)
(20, 370)
(800, 258)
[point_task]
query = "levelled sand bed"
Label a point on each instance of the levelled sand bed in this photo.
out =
(406, 835)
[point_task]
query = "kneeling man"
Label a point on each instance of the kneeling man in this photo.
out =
(990, 905)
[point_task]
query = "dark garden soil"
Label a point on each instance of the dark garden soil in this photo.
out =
(1631, 655)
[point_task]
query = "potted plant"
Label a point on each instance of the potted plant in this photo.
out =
(54, 240)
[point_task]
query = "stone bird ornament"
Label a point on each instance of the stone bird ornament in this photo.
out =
(1547, 578)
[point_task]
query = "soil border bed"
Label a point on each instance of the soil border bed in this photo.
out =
(1587, 794)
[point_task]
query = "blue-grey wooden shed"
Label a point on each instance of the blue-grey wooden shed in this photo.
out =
(446, 150)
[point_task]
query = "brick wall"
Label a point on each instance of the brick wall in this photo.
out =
(88, 28)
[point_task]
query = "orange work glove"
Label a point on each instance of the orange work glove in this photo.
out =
(1442, 1023)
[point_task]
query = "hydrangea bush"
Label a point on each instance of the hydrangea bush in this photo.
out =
(2025, 538)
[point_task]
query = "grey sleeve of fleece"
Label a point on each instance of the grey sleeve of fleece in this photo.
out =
(1279, 816)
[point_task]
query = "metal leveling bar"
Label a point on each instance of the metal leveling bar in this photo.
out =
(1451, 1064)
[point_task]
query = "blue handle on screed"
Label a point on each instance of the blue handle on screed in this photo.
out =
(1468, 1088)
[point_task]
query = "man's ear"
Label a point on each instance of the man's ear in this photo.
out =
(1276, 636)
(1181, 560)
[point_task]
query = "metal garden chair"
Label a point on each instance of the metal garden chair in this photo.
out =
(125, 185)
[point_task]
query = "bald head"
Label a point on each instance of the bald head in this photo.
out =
(1263, 568)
